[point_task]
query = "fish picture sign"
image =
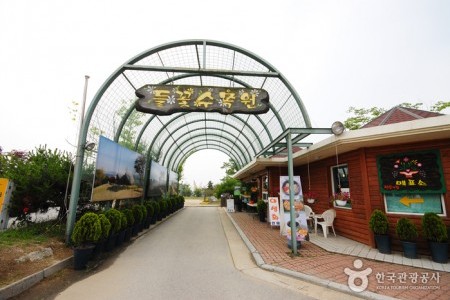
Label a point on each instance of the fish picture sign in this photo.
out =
(169, 99)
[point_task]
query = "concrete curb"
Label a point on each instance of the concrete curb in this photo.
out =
(309, 278)
(22, 285)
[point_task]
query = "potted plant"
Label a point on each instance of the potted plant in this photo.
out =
(379, 225)
(341, 199)
(261, 208)
(105, 225)
(130, 223)
(114, 218)
(86, 233)
(435, 232)
(150, 213)
(407, 233)
(125, 231)
(310, 197)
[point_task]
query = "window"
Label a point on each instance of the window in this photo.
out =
(339, 184)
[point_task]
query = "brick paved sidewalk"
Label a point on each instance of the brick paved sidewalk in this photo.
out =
(386, 279)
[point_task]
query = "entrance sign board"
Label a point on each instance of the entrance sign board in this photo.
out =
(415, 172)
(169, 99)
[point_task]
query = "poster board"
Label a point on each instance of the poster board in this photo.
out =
(6, 189)
(274, 211)
(230, 205)
(300, 215)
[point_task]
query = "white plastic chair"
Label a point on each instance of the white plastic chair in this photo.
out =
(328, 219)
(309, 214)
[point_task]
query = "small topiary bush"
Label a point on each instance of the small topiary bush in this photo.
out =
(434, 228)
(105, 225)
(137, 213)
(87, 229)
(378, 222)
(130, 216)
(115, 218)
(406, 230)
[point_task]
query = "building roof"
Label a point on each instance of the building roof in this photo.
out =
(423, 129)
(400, 114)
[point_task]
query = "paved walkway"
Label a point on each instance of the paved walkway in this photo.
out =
(391, 276)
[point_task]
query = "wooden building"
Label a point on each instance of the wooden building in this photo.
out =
(355, 161)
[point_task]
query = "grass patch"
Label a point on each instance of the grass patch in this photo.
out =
(34, 233)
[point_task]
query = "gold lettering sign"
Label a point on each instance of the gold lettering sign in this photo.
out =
(169, 99)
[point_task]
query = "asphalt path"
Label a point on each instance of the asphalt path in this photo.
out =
(186, 257)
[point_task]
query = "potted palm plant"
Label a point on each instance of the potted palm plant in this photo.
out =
(261, 208)
(379, 225)
(435, 232)
(407, 233)
(86, 233)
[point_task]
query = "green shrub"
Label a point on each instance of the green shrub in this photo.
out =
(150, 209)
(114, 216)
(105, 225)
(261, 207)
(378, 222)
(123, 221)
(406, 230)
(157, 208)
(434, 228)
(137, 213)
(130, 216)
(87, 229)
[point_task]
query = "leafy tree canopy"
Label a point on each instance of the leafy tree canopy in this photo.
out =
(362, 116)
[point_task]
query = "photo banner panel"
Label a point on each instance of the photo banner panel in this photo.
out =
(119, 172)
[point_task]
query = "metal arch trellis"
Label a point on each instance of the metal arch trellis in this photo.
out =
(198, 71)
(197, 121)
(201, 120)
(237, 157)
(209, 146)
(207, 138)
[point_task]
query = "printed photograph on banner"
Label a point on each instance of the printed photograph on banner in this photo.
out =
(301, 225)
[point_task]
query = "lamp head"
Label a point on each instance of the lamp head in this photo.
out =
(337, 128)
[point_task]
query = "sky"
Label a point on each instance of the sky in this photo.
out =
(336, 54)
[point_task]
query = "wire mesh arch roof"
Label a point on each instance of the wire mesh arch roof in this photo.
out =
(171, 139)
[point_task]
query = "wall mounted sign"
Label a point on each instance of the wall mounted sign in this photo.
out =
(169, 99)
(415, 172)
(414, 203)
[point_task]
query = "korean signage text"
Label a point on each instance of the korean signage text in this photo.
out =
(168, 99)
(411, 173)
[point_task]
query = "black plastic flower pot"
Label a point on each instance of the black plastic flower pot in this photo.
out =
(383, 242)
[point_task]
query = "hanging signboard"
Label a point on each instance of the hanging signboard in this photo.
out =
(411, 173)
(274, 211)
(169, 99)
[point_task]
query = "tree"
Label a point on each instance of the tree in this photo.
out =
(40, 179)
(226, 186)
(185, 190)
(230, 167)
(210, 185)
(362, 116)
(198, 192)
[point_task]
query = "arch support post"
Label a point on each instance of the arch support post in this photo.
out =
(76, 182)
(291, 192)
